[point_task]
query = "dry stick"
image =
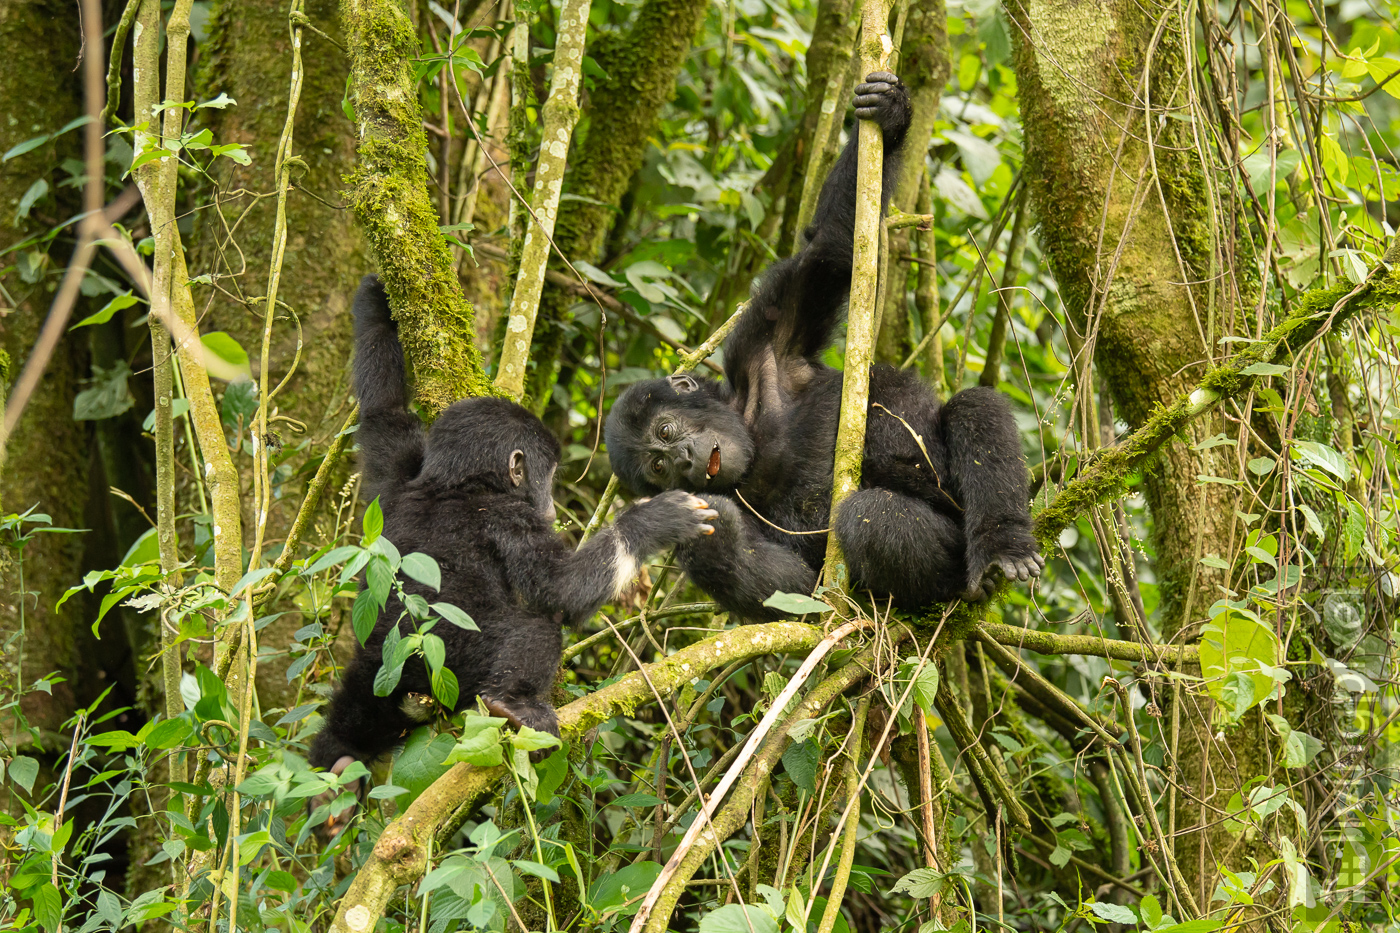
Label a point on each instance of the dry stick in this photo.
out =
(874, 51)
(775, 712)
(996, 340)
(689, 361)
(848, 841)
(926, 806)
(559, 114)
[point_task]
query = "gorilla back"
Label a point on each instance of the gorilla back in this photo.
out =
(943, 499)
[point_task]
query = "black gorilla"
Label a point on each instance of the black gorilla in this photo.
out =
(475, 494)
(935, 512)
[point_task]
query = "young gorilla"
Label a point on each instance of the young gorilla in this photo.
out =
(931, 519)
(475, 494)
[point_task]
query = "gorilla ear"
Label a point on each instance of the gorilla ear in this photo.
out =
(517, 467)
(683, 383)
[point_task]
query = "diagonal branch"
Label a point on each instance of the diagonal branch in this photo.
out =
(1319, 311)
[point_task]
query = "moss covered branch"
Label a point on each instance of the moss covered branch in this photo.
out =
(401, 854)
(1049, 643)
(1319, 311)
(390, 200)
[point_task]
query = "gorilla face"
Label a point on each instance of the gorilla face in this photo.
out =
(678, 433)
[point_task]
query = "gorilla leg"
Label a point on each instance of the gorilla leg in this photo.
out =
(989, 481)
(359, 724)
(526, 661)
(899, 545)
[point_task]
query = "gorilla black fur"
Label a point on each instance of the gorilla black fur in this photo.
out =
(475, 494)
(943, 497)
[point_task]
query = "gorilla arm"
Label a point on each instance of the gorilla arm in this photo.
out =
(390, 436)
(740, 567)
(791, 317)
(574, 584)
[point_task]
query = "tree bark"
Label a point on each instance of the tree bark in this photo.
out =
(641, 65)
(47, 458)
(1125, 220)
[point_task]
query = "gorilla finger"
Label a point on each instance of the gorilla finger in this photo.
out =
(884, 76)
(707, 514)
(707, 529)
(877, 90)
(869, 101)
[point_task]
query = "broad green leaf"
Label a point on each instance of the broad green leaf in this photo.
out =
(1114, 913)
(445, 687)
(168, 733)
(530, 740)
(1237, 642)
(527, 867)
(795, 603)
(23, 770)
(801, 762)
(1264, 369)
(612, 891)
(233, 359)
(920, 883)
(423, 568)
(738, 918)
(364, 614)
(331, 558)
(456, 616)
(1323, 457)
(635, 800)
(119, 303)
(373, 522)
(421, 762)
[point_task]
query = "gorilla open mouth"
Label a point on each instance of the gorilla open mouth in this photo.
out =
(712, 470)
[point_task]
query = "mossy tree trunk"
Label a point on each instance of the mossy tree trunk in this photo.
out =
(641, 64)
(50, 460)
(1124, 215)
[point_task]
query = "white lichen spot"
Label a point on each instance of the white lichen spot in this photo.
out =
(557, 149)
(1203, 396)
(357, 918)
(208, 469)
(517, 323)
(685, 667)
(829, 106)
(562, 134)
(218, 531)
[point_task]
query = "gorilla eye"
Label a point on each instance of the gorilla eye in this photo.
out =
(658, 465)
(668, 431)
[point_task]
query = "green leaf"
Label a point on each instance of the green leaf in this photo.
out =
(635, 800)
(423, 568)
(232, 151)
(1237, 642)
(1113, 913)
(434, 651)
(445, 687)
(373, 523)
(1324, 457)
(48, 907)
(379, 578)
(1262, 466)
(225, 351)
(1219, 440)
(364, 614)
(31, 196)
(27, 146)
(331, 558)
(218, 103)
(612, 891)
(480, 742)
(1263, 369)
(795, 603)
(738, 918)
(1193, 926)
(23, 770)
(240, 403)
(801, 761)
(168, 733)
(1299, 749)
(527, 867)
(456, 616)
(1353, 531)
(387, 678)
(108, 395)
(531, 740)
(1151, 909)
(920, 883)
(421, 762)
(1314, 523)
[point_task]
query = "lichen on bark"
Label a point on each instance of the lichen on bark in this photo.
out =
(390, 198)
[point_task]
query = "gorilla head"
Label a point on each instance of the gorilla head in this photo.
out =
(492, 445)
(678, 433)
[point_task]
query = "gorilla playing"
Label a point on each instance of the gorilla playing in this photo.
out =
(943, 499)
(475, 494)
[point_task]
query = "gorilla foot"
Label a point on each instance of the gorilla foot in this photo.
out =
(1017, 565)
(335, 824)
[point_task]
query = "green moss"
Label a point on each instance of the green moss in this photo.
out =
(437, 325)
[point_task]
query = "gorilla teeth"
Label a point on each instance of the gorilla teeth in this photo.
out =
(712, 470)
